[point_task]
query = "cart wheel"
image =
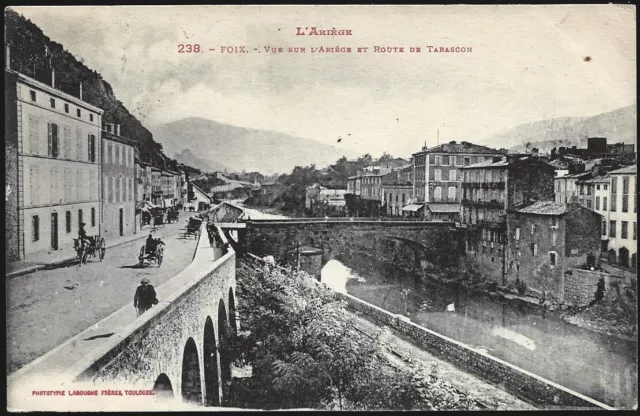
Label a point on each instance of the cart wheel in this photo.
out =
(103, 249)
(159, 256)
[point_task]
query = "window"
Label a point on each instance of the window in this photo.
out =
(396, 197)
(625, 184)
(68, 221)
(92, 148)
(597, 187)
(612, 229)
(438, 160)
(93, 217)
(624, 230)
(604, 203)
(604, 227)
(52, 101)
(554, 239)
(35, 220)
(403, 198)
(597, 203)
(452, 193)
(438, 174)
(552, 258)
(466, 161)
(452, 175)
(534, 249)
(614, 185)
(385, 196)
(79, 217)
(66, 108)
(634, 231)
(79, 113)
(605, 187)
(445, 160)
(554, 222)
(437, 193)
(517, 234)
(614, 202)
(90, 117)
(33, 98)
(581, 189)
(534, 229)
(589, 203)
(53, 140)
(625, 203)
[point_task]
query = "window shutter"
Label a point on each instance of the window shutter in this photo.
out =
(49, 139)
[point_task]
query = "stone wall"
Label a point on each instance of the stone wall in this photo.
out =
(580, 285)
(515, 380)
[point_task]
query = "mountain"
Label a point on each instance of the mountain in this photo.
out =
(189, 159)
(617, 126)
(240, 148)
(34, 54)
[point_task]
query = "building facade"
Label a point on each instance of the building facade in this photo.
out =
(118, 185)
(622, 245)
(52, 167)
(169, 188)
(489, 191)
(156, 186)
(437, 174)
(547, 239)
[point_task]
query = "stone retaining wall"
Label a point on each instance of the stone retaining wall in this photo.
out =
(580, 285)
(513, 379)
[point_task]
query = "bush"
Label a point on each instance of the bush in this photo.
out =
(521, 287)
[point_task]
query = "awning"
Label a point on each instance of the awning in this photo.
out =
(444, 208)
(413, 207)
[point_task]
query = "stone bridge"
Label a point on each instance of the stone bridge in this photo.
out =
(176, 349)
(341, 238)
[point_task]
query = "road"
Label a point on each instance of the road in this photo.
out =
(47, 307)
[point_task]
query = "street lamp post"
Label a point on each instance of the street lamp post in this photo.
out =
(405, 295)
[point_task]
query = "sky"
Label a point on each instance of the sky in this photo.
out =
(527, 63)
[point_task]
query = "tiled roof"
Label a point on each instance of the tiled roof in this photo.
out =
(444, 207)
(598, 179)
(547, 208)
(462, 147)
(488, 163)
(625, 170)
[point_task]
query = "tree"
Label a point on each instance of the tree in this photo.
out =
(305, 352)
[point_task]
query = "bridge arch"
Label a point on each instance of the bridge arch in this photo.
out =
(191, 385)
(163, 388)
(232, 313)
(210, 362)
(223, 339)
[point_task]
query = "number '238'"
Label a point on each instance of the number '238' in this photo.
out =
(188, 48)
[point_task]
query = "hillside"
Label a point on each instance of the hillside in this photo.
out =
(29, 47)
(188, 158)
(617, 126)
(240, 148)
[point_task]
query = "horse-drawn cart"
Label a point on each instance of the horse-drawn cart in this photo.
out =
(96, 247)
(151, 254)
(193, 227)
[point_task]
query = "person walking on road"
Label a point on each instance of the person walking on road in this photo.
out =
(145, 297)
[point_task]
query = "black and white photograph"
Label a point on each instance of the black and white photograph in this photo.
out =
(312, 208)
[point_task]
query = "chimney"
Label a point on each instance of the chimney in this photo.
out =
(81, 90)
(7, 62)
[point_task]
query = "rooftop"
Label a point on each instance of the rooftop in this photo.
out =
(632, 169)
(548, 208)
(462, 147)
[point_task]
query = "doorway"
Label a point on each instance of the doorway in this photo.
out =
(121, 211)
(54, 231)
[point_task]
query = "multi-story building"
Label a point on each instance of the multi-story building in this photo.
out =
(545, 240)
(489, 190)
(397, 193)
(437, 176)
(118, 184)
(567, 189)
(156, 186)
(354, 185)
(169, 188)
(52, 167)
(601, 197)
(270, 191)
(622, 245)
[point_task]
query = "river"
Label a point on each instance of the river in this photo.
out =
(599, 366)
